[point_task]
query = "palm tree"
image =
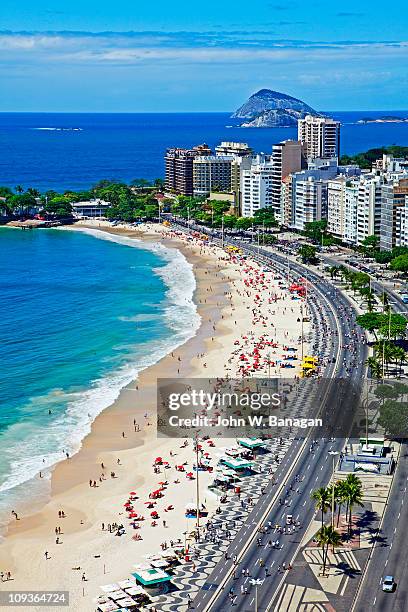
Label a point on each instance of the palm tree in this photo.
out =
(399, 356)
(384, 301)
(340, 497)
(384, 351)
(333, 271)
(33, 192)
(368, 297)
(19, 189)
(353, 496)
(322, 498)
(375, 367)
(325, 537)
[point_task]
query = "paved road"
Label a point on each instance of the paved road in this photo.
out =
(390, 551)
(313, 467)
(394, 298)
(390, 555)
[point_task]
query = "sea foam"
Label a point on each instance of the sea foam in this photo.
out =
(66, 432)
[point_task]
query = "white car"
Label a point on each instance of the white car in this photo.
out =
(388, 584)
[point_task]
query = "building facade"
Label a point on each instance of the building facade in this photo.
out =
(394, 201)
(211, 173)
(179, 168)
(287, 158)
(256, 186)
(320, 135)
(238, 149)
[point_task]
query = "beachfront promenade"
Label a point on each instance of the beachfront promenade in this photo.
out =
(227, 289)
(226, 583)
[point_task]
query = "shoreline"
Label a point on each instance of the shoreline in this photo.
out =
(224, 296)
(42, 488)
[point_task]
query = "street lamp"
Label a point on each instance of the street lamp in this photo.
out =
(256, 582)
(333, 454)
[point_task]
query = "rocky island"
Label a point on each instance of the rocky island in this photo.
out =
(267, 108)
(385, 119)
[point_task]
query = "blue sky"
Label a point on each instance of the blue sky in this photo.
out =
(129, 56)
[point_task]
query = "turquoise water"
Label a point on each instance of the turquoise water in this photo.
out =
(80, 317)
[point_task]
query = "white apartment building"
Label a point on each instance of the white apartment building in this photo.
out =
(320, 135)
(239, 149)
(310, 201)
(90, 208)
(256, 186)
(369, 206)
(342, 203)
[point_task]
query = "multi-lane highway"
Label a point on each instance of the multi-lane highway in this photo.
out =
(226, 585)
(389, 555)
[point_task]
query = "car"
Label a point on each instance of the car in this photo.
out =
(388, 584)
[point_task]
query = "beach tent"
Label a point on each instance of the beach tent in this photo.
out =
(110, 588)
(236, 463)
(109, 606)
(251, 443)
(127, 584)
(151, 576)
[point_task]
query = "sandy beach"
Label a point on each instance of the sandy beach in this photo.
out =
(240, 308)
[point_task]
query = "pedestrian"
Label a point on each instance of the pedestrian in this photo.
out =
(83, 577)
(46, 555)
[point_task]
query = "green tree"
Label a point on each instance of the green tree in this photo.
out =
(244, 223)
(400, 264)
(307, 253)
(322, 499)
(315, 230)
(59, 206)
(141, 182)
(266, 217)
(5, 192)
(21, 203)
(353, 496)
(369, 297)
(325, 537)
(268, 239)
(370, 244)
(375, 367)
(393, 418)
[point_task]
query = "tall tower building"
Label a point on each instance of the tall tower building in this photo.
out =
(287, 157)
(320, 135)
(179, 168)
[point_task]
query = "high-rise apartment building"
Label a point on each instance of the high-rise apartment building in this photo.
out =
(287, 157)
(342, 205)
(310, 196)
(256, 185)
(211, 173)
(394, 220)
(369, 206)
(320, 135)
(238, 149)
(179, 168)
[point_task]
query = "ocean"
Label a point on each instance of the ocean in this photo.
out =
(81, 316)
(74, 151)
